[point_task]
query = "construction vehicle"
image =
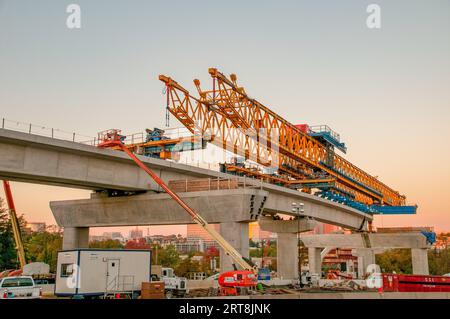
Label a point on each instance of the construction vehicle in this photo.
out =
(19, 287)
(233, 280)
(237, 282)
(305, 157)
(15, 224)
(173, 285)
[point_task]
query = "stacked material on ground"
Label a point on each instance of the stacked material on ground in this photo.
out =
(153, 290)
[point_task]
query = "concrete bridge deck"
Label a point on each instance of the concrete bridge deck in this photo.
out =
(38, 159)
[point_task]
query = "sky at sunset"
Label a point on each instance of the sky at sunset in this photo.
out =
(386, 91)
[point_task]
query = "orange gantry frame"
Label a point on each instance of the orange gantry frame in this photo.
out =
(229, 118)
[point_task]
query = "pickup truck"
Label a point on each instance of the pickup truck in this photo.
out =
(19, 287)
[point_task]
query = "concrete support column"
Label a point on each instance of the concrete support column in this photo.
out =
(237, 235)
(287, 256)
(75, 237)
(366, 257)
(287, 242)
(314, 260)
(419, 258)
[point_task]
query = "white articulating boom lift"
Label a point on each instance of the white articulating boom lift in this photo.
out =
(112, 138)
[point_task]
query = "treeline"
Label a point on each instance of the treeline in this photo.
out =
(399, 261)
(44, 247)
(39, 246)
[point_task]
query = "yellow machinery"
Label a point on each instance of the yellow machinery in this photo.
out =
(15, 224)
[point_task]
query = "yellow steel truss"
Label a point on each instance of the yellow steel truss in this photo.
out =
(234, 121)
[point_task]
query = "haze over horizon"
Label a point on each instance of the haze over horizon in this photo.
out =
(386, 91)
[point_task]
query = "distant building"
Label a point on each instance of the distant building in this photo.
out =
(323, 228)
(195, 245)
(165, 240)
(96, 238)
(114, 236)
(195, 231)
(255, 233)
(136, 233)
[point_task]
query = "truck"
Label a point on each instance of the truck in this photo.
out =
(19, 287)
(102, 273)
(174, 286)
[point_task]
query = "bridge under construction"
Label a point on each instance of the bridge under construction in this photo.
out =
(275, 163)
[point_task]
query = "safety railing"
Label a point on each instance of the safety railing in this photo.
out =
(42, 130)
(218, 183)
(59, 134)
(326, 129)
(120, 284)
(134, 138)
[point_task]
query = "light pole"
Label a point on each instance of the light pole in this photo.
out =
(298, 209)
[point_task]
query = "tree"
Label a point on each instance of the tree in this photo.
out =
(439, 261)
(43, 247)
(398, 260)
(186, 266)
(106, 244)
(140, 243)
(8, 255)
(168, 256)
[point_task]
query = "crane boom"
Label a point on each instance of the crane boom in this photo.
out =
(111, 138)
(15, 224)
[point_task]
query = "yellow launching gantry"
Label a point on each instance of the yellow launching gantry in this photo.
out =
(227, 117)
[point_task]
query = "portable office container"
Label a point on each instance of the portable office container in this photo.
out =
(100, 272)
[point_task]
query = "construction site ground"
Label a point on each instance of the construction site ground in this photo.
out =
(289, 293)
(345, 295)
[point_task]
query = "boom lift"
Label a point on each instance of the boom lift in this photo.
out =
(15, 224)
(230, 281)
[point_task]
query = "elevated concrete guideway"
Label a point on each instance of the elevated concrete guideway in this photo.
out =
(222, 206)
(365, 246)
(38, 159)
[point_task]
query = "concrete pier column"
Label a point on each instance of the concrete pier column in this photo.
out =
(287, 242)
(314, 260)
(419, 258)
(287, 256)
(75, 237)
(366, 257)
(237, 235)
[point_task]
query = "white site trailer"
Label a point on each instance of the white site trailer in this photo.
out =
(101, 272)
